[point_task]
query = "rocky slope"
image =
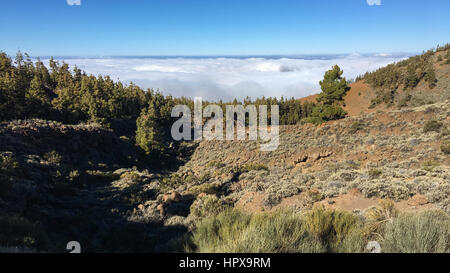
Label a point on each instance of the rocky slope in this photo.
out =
(391, 155)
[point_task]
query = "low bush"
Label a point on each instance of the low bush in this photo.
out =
(374, 173)
(427, 232)
(429, 165)
(254, 167)
(445, 147)
(432, 126)
(356, 126)
(377, 217)
(207, 205)
(234, 231)
(215, 164)
(207, 188)
(338, 231)
(20, 232)
(96, 176)
(53, 158)
(281, 231)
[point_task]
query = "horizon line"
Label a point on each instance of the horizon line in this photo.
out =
(298, 55)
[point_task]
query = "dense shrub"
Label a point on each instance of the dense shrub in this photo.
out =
(356, 126)
(374, 173)
(378, 216)
(427, 232)
(429, 165)
(432, 126)
(207, 205)
(254, 167)
(338, 231)
(328, 112)
(279, 231)
(207, 188)
(387, 97)
(445, 147)
(53, 158)
(235, 231)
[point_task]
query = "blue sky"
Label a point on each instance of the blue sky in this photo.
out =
(221, 27)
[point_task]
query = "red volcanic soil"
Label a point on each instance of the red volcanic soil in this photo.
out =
(357, 100)
(311, 98)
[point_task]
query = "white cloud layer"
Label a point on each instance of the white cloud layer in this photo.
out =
(228, 78)
(73, 2)
(374, 2)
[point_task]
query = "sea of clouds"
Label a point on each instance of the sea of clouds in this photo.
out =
(230, 77)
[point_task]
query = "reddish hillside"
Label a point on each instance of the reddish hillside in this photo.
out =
(364, 98)
(357, 100)
(311, 98)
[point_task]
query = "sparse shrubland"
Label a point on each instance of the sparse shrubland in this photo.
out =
(101, 161)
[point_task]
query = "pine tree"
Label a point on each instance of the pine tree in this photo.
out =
(411, 79)
(334, 86)
(149, 134)
(154, 124)
(430, 76)
(38, 101)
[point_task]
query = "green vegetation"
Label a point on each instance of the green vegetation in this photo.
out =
(207, 205)
(334, 87)
(206, 188)
(30, 90)
(356, 126)
(445, 147)
(53, 157)
(429, 165)
(374, 173)
(215, 164)
(320, 230)
(254, 167)
(386, 97)
(447, 57)
(427, 232)
(153, 125)
(118, 190)
(432, 126)
(408, 73)
(430, 77)
(235, 231)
